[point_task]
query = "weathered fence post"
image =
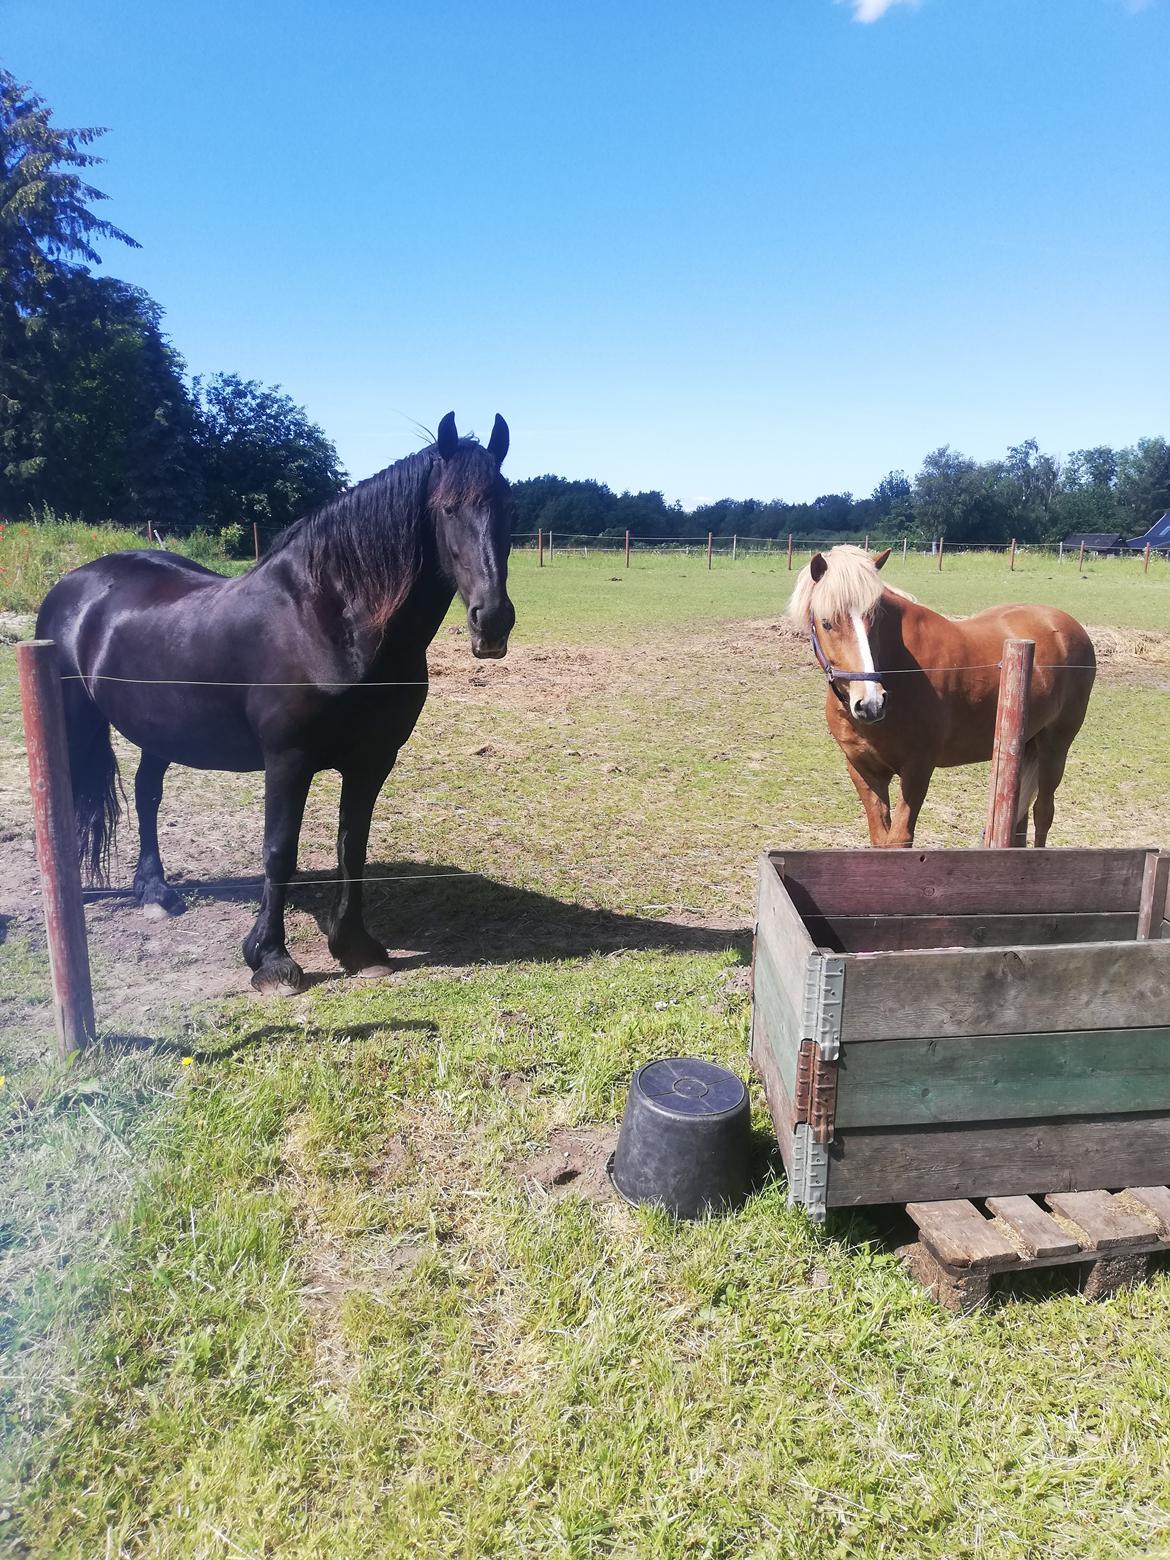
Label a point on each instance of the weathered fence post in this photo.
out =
(734, 542)
(256, 540)
(1012, 563)
(1081, 560)
(905, 544)
(1011, 721)
(56, 836)
(540, 546)
(940, 552)
(550, 547)
(627, 549)
(708, 549)
(790, 552)
(1060, 554)
(867, 541)
(1146, 563)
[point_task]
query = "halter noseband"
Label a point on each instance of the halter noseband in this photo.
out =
(835, 676)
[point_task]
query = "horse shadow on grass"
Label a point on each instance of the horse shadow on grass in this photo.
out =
(433, 914)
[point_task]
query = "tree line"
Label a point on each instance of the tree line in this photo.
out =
(99, 420)
(1028, 495)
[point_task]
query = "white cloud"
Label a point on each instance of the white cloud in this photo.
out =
(873, 10)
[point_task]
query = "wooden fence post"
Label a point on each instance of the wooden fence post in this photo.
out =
(540, 546)
(708, 549)
(940, 552)
(734, 542)
(256, 540)
(56, 836)
(1011, 720)
(1012, 563)
(1081, 560)
(627, 549)
(905, 542)
(790, 552)
(550, 547)
(867, 541)
(1146, 564)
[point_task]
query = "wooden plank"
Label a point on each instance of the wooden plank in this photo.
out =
(959, 1234)
(780, 1106)
(1037, 1232)
(1104, 1223)
(996, 1159)
(968, 1078)
(1007, 991)
(1155, 1200)
(895, 933)
(1155, 891)
(774, 1020)
(780, 927)
(952, 882)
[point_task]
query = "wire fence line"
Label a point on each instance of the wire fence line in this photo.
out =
(780, 671)
(255, 536)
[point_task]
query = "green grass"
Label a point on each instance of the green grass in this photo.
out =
(550, 1378)
(597, 600)
(35, 553)
(292, 1298)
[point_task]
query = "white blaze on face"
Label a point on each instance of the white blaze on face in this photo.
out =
(868, 690)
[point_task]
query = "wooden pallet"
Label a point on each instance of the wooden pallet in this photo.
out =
(960, 1248)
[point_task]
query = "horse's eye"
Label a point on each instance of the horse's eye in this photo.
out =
(825, 624)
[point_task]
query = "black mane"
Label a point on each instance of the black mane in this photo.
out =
(367, 543)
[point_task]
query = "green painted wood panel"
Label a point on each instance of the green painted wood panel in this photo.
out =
(776, 1017)
(976, 1078)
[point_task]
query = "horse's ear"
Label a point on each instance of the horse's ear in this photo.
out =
(498, 443)
(879, 559)
(447, 441)
(818, 567)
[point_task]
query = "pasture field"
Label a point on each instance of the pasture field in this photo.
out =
(338, 1276)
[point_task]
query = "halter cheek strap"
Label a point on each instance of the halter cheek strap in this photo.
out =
(836, 677)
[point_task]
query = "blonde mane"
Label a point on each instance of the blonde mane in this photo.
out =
(850, 584)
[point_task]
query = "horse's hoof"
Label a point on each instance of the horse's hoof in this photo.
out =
(363, 957)
(162, 906)
(373, 972)
(284, 979)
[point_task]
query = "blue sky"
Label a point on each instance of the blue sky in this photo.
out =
(747, 249)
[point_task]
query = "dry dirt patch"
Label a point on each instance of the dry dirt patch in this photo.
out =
(576, 1161)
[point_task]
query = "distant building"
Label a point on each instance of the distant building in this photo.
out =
(1158, 536)
(1103, 543)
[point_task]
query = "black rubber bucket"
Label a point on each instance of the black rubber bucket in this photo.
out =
(685, 1141)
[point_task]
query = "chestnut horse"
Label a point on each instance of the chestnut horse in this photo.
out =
(315, 659)
(911, 691)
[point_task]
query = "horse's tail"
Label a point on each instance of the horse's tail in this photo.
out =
(93, 768)
(1029, 779)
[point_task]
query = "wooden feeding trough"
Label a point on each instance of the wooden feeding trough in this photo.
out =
(933, 1025)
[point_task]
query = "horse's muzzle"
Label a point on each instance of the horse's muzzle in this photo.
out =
(868, 712)
(489, 625)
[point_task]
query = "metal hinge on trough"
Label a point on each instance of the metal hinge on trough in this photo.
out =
(808, 1183)
(824, 999)
(816, 1091)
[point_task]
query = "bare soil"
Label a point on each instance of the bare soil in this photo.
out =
(576, 1160)
(147, 974)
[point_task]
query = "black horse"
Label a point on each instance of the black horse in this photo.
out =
(315, 659)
